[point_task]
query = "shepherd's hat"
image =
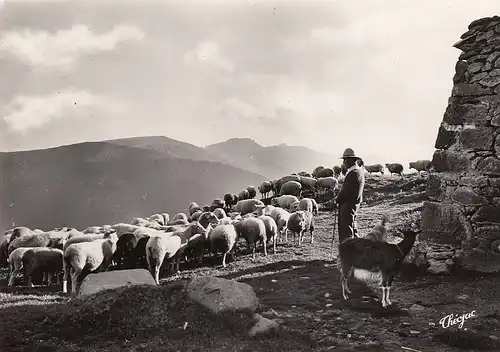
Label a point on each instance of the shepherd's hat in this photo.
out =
(349, 153)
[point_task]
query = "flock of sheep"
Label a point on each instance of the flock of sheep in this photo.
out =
(159, 242)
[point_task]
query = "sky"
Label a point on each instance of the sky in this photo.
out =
(372, 75)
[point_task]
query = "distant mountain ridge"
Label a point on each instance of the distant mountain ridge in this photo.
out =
(273, 161)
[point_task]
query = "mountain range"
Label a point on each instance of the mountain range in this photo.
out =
(96, 183)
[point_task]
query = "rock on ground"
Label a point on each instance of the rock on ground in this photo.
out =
(263, 326)
(222, 296)
(94, 283)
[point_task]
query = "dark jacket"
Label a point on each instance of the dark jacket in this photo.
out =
(352, 188)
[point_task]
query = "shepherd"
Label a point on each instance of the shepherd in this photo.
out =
(350, 196)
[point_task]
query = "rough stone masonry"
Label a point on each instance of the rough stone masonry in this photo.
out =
(463, 211)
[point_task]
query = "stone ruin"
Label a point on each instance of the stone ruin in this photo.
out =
(462, 215)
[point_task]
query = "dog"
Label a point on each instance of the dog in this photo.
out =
(379, 232)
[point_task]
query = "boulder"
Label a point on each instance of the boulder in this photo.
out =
(444, 223)
(220, 296)
(263, 326)
(94, 283)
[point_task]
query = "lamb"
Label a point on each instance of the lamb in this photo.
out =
(179, 216)
(271, 229)
(379, 232)
(122, 228)
(421, 165)
(86, 257)
(247, 206)
(300, 222)
(223, 238)
(39, 240)
(325, 172)
(309, 183)
(367, 259)
(159, 248)
(219, 213)
(252, 230)
(244, 194)
(284, 201)
(293, 188)
(47, 260)
(375, 168)
(252, 192)
(316, 170)
(15, 261)
(336, 171)
(217, 203)
(395, 168)
(265, 188)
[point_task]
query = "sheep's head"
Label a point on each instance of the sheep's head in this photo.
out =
(196, 228)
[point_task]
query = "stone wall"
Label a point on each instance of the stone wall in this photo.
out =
(463, 211)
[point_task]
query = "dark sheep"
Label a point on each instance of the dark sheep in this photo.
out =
(395, 168)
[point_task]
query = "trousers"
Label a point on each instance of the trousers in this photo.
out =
(347, 221)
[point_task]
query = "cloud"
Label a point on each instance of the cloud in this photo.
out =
(208, 52)
(25, 113)
(62, 49)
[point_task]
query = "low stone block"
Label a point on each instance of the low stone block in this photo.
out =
(479, 138)
(443, 223)
(487, 213)
(466, 196)
(94, 283)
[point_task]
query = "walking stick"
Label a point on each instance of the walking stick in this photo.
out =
(334, 230)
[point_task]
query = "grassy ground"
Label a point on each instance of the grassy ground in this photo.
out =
(298, 285)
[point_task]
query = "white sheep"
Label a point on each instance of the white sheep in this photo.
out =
(168, 246)
(326, 183)
(162, 218)
(178, 222)
(87, 257)
(15, 261)
(92, 229)
(300, 222)
(223, 238)
(271, 229)
(308, 204)
(309, 183)
(279, 215)
(180, 216)
(85, 238)
(47, 260)
(247, 206)
(122, 228)
(140, 222)
(252, 230)
(284, 201)
(39, 240)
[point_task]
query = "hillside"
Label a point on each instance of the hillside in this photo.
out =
(273, 161)
(108, 182)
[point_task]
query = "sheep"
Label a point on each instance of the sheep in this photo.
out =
(75, 233)
(292, 188)
(205, 208)
(279, 215)
(271, 230)
(265, 188)
(47, 260)
(139, 222)
(307, 204)
(421, 165)
(196, 215)
(316, 170)
(4, 246)
(20, 231)
(375, 168)
(336, 171)
(223, 237)
(193, 207)
(252, 230)
(252, 192)
(304, 174)
(85, 257)
(247, 206)
(206, 219)
(395, 168)
(328, 183)
(309, 183)
(178, 222)
(367, 259)
(162, 218)
(229, 200)
(15, 261)
(220, 213)
(170, 246)
(278, 183)
(243, 194)
(122, 228)
(294, 206)
(217, 203)
(131, 251)
(39, 240)
(325, 172)
(179, 216)
(85, 238)
(300, 222)
(284, 201)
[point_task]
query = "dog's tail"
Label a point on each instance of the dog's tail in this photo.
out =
(385, 219)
